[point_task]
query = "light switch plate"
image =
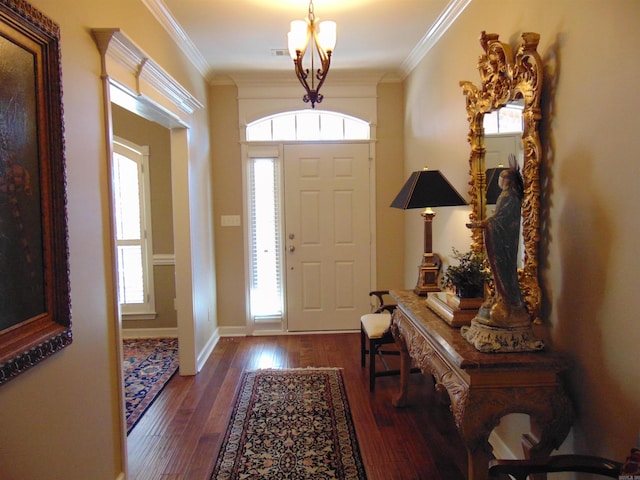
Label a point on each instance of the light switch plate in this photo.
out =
(230, 220)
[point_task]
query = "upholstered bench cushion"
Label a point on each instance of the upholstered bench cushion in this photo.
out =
(375, 325)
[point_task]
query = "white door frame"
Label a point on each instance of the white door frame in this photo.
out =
(169, 104)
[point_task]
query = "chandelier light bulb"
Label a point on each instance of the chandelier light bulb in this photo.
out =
(327, 35)
(298, 37)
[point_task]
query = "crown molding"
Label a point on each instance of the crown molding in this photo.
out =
(435, 32)
(142, 71)
(162, 14)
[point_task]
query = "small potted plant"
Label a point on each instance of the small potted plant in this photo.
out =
(468, 277)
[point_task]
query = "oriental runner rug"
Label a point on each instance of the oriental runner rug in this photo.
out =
(148, 364)
(290, 424)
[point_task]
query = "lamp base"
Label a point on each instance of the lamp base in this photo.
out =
(428, 272)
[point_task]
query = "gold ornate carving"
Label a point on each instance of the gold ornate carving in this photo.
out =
(504, 78)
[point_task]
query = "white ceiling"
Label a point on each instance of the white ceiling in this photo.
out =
(227, 37)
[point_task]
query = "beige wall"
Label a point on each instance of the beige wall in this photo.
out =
(142, 132)
(389, 180)
(62, 418)
(589, 267)
(228, 200)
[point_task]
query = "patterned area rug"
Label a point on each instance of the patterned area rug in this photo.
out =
(148, 365)
(290, 424)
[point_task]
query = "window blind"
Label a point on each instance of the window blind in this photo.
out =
(265, 223)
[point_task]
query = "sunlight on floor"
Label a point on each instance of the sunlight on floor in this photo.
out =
(269, 359)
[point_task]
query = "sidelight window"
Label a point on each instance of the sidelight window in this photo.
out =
(265, 223)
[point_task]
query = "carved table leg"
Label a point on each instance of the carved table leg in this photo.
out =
(478, 412)
(479, 457)
(401, 399)
(551, 422)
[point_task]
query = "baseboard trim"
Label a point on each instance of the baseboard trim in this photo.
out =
(207, 350)
(500, 448)
(319, 332)
(149, 333)
(232, 331)
(243, 332)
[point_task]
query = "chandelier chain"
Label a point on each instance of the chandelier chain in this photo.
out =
(312, 15)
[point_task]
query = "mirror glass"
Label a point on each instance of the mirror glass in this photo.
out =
(502, 137)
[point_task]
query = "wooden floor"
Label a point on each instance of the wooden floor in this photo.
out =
(180, 434)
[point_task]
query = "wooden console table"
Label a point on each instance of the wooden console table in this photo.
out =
(482, 387)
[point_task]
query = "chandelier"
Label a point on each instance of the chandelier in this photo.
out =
(323, 35)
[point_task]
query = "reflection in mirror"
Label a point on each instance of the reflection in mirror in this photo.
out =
(510, 86)
(498, 148)
(507, 119)
(493, 188)
(503, 137)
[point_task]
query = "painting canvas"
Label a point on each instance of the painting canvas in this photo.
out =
(22, 292)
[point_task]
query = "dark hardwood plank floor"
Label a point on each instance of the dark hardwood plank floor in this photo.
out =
(180, 434)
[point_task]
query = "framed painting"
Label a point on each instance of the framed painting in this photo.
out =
(35, 307)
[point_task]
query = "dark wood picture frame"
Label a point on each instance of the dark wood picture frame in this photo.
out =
(35, 306)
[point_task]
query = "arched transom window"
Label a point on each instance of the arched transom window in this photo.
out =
(308, 125)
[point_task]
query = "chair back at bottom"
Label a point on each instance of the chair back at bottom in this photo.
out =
(521, 469)
(374, 333)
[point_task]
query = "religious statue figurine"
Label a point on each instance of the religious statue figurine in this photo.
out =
(503, 323)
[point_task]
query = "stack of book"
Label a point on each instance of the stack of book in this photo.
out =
(452, 309)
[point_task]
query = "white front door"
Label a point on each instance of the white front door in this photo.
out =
(327, 235)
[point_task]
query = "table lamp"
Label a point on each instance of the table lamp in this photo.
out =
(427, 189)
(493, 189)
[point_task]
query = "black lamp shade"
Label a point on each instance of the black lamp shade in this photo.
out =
(493, 189)
(427, 188)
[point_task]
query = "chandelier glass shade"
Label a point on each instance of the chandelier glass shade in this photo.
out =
(321, 38)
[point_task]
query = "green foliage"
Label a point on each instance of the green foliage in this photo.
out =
(469, 275)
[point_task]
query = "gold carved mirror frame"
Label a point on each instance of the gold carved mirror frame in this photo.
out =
(506, 78)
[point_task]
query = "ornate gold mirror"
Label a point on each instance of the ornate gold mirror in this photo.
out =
(507, 80)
